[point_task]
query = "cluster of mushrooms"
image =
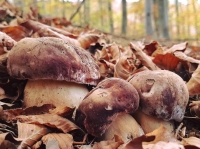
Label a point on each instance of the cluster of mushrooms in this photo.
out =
(59, 73)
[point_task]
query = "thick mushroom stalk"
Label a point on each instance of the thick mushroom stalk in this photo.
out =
(103, 104)
(52, 58)
(162, 94)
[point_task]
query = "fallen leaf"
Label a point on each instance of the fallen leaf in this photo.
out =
(191, 141)
(195, 108)
(5, 143)
(51, 120)
(29, 134)
(193, 84)
(15, 32)
(161, 134)
(177, 47)
(65, 141)
(143, 57)
(164, 145)
(86, 40)
(184, 57)
(137, 142)
(107, 145)
(167, 61)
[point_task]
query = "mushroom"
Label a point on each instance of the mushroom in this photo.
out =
(124, 126)
(56, 70)
(163, 94)
(150, 123)
(102, 105)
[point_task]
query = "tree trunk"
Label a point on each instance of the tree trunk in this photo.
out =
(177, 18)
(87, 12)
(101, 12)
(110, 16)
(163, 18)
(63, 11)
(148, 18)
(195, 18)
(124, 17)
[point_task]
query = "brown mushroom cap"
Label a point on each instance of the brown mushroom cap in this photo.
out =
(52, 58)
(162, 93)
(102, 105)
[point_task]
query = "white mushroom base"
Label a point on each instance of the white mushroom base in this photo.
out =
(59, 93)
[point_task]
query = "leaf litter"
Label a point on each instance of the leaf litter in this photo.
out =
(54, 126)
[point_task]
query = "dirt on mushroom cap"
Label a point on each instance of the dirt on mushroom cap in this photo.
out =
(102, 105)
(52, 58)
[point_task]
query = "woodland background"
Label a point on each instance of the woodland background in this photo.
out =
(133, 19)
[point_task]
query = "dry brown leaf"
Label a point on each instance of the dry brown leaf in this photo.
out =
(193, 84)
(10, 114)
(195, 108)
(38, 110)
(15, 32)
(137, 142)
(144, 58)
(65, 141)
(167, 61)
(63, 111)
(6, 141)
(161, 134)
(86, 40)
(191, 141)
(177, 47)
(50, 120)
(164, 145)
(153, 49)
(29, 134)
(124, 67)
(184, 57)
(107, 145)
(106, 68)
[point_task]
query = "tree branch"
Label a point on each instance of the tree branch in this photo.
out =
(77, 10)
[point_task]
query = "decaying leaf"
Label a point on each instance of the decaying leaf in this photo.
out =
(50, 120)
(167, 61)
(161, 134)
(164, 145)
(29, 134)
(193, 84)
(65, 141)
(192, 141)
(195, 108)
(107, 145)
(5, 143)
(143, 57)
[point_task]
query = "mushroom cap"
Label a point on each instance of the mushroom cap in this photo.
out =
(52, 58)
(102, 104)
(162, 93)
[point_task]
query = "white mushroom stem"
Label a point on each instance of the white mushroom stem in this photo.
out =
(150, 123)
(124, 126)
(59, 93)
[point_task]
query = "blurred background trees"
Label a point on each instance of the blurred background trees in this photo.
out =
(160, 19)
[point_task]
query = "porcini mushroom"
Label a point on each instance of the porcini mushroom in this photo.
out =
(102, 105)
(124, 126)
(163, 94)
(42, 60)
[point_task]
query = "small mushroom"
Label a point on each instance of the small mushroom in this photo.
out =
(102, 105)
(163, 94)
(51, 63)
(150, 123)
(124, 126)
